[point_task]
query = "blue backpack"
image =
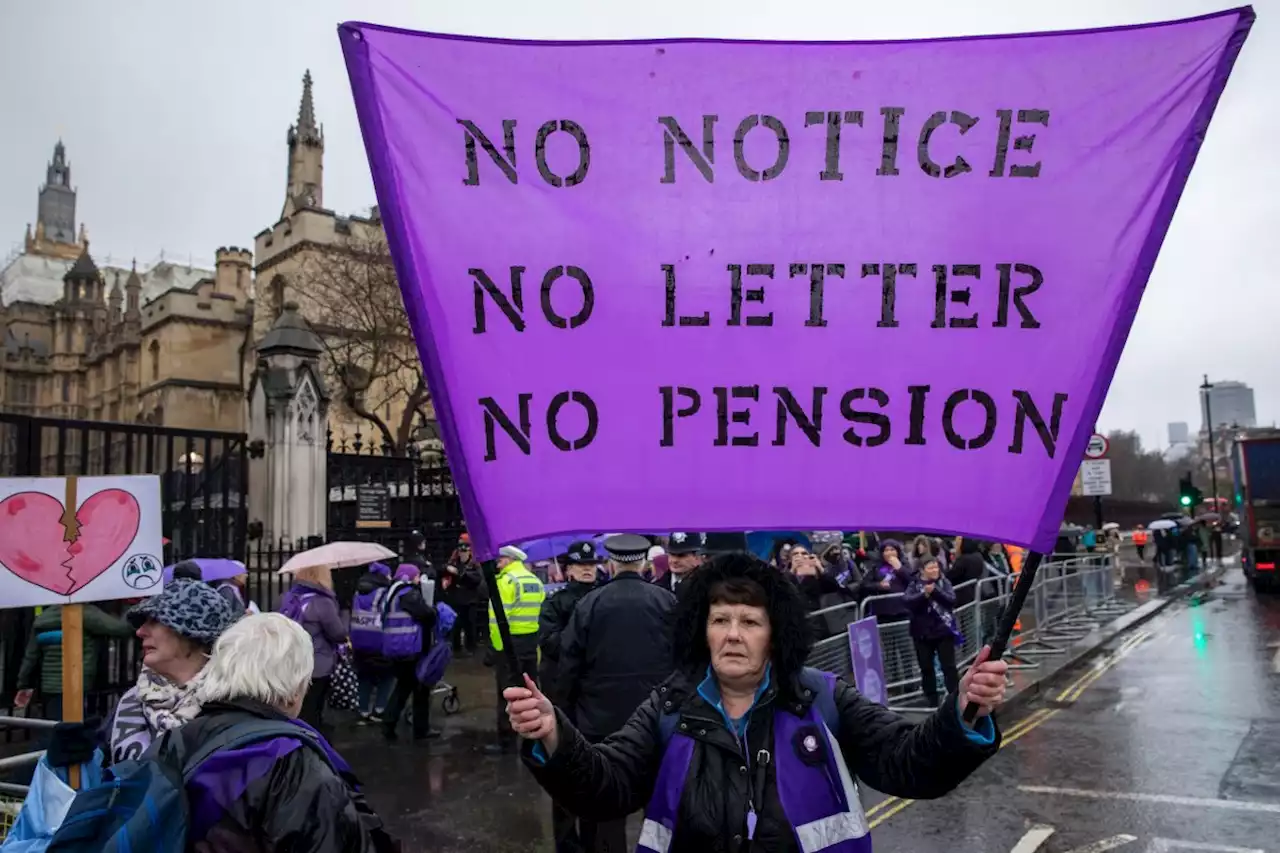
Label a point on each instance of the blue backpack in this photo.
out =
(824, 689)
(431, 666)
(143, 808)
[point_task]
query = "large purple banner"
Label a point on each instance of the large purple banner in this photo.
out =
(710, 285)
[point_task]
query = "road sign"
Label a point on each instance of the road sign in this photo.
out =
(1095, 477)
(1097, 447)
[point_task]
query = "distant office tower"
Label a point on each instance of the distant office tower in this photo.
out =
(1179, 433)
(1230, 403)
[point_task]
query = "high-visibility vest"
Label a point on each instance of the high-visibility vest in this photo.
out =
(522, 596)
(1014, 553)
(401, 634)
(1139, 537)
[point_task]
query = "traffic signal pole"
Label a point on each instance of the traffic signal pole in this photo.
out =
(1208, 417)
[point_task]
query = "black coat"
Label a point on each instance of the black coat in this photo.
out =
(552, 620)
(821, 592)
(423, 565)
(369, 581)
(465, 582)
(615, 650)
(887, 609)
(969, 566)
(615, 778)
(295, 802)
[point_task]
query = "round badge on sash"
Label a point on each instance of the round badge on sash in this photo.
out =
(810, 746)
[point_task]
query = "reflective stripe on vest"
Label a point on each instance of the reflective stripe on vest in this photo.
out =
(401, 633)
(522, 595)
(824, 817)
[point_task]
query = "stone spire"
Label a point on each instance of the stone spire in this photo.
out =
(133, 293)
(56, 213)
(305, 185)
(306, 131)
(116, 299)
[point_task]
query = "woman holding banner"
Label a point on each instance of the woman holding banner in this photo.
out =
(743, 741)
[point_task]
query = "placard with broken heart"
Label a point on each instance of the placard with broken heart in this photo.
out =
(76, 539)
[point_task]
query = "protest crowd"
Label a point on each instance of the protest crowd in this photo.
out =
(240, 701)
(729, 692)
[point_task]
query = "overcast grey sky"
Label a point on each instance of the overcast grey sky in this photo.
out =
(174, 116)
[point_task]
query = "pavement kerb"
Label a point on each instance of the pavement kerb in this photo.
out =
(1038, 686)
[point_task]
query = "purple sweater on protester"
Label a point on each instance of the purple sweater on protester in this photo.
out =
(322, 621)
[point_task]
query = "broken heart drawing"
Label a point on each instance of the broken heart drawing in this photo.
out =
(43, 542)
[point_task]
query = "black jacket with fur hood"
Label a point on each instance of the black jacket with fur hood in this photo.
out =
(614, 778)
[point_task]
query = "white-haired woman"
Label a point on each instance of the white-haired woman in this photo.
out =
(278, 794)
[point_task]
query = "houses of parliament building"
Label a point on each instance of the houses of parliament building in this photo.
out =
(165, 343)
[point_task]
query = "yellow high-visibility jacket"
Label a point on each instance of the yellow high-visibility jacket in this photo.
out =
(522, 596)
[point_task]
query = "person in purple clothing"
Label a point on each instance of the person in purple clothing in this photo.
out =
(930, 598)
(746, 747)
(282, 794)
(312, 603)
(889, 578)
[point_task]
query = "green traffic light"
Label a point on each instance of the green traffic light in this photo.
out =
(1186, 500)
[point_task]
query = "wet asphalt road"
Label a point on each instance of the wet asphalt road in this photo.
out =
(1168, 739)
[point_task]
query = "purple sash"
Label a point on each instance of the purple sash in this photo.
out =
(130, 733)
(817, 792)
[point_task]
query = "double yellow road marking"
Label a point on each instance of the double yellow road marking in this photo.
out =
(890, 806)
(1073, 691)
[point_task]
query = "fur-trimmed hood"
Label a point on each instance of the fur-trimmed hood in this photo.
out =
(788, 615)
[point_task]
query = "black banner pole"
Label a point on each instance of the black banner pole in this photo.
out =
(1010, 617)
(515, 677)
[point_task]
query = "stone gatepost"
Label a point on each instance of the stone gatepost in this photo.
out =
(288, 416)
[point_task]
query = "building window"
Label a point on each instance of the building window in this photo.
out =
(66, 388)
(155, 360)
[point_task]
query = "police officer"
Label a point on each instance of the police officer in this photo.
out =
(684, 554)
(581, 563)
(522, 595)
(615, 651)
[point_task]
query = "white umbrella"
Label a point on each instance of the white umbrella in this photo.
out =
(1163, 524)
(338, 555)
(1111, 525)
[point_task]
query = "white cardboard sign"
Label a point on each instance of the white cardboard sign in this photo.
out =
(67, 540)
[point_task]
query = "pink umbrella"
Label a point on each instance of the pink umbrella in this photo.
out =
(337, 555)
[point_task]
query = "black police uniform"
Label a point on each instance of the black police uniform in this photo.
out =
(679, 544)
(552, 621)
(615, 651)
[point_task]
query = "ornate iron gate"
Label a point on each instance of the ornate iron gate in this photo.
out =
(203, 474)
(203, 486)
(420, 496)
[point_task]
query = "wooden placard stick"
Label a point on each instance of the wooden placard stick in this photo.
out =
(72, 639)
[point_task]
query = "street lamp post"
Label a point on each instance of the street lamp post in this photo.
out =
(1205, 388)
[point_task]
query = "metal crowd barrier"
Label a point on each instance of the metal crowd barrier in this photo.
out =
(1072, 596)
(11, 793)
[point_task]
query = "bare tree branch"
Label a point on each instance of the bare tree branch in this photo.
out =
(370, 358)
